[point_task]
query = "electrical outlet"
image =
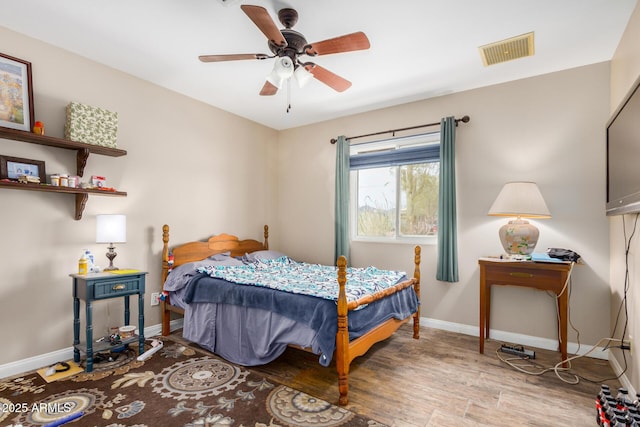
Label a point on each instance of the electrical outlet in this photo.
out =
(155, 298)
(627, 345)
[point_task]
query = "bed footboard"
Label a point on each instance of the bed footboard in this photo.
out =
(347, 350)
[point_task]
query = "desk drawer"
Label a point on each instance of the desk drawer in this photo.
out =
(113, 288)
(531, 277)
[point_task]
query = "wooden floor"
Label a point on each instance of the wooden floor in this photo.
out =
(441, 380)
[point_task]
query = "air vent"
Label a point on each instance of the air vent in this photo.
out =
(508, 49)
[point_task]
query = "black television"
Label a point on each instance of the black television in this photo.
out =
(623, 155)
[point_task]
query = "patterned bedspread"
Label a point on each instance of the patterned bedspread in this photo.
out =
(285, 274)
(305, 293)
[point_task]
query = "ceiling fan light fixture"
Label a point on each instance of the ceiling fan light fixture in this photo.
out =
(283, 67)
(303, 77)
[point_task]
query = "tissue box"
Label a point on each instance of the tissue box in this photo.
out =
(91, 125)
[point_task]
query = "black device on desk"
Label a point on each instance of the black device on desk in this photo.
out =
(563, 254)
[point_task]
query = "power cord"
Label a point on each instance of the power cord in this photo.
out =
(566, 288)
(557, 368)
(623, 302)
(569, 319)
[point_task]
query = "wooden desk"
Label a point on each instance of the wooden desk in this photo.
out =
(537, 275)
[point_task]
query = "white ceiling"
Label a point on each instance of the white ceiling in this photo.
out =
(419, 48)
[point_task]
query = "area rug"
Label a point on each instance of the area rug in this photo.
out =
(177, 386)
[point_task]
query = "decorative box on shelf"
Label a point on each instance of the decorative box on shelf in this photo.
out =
(91, 125)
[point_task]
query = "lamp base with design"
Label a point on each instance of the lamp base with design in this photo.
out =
(519, 238)
(110, 256)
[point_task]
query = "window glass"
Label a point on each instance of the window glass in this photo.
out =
(377, 202)
(419, 199)
(395, 188)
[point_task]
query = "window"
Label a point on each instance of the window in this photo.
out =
(395, 188)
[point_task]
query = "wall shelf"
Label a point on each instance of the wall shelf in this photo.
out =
(83, 151)
(82, 194)
(50, 141)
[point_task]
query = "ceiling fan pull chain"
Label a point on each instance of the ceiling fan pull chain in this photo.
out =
(288, 95)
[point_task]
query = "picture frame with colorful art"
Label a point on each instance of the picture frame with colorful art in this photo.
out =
(16, 93)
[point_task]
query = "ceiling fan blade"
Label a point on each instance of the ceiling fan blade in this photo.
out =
(346, 43)
(332, 80)
(263, 21)
(268, 89)
(232, 57)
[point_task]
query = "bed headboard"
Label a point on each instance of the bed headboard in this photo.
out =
(196, 251)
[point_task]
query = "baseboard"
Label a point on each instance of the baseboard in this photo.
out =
(620, 371)
(48, 359)
(510, 337)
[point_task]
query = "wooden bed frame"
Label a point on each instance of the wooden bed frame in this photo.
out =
(346, 351)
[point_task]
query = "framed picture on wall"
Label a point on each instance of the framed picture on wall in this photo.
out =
(16, 93)
(14, 167)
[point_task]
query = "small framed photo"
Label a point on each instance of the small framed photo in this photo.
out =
(16, 91)
(14, 167)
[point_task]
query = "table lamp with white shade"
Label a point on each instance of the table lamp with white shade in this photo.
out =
(520, 200)
(111, 229)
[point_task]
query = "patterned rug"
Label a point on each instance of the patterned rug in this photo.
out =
(177, 386)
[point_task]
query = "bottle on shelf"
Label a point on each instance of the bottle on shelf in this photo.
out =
(82, 264)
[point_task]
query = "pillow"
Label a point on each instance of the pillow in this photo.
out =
(220, 257)
(258, 255)
(180, 275)
(228, 261)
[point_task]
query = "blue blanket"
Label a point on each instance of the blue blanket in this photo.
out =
(317, 313)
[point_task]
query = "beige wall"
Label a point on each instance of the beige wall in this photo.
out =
(199, 169)
(549, 129)
(184, 157)
(625, 69)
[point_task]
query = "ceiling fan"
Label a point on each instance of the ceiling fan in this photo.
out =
(288, 46)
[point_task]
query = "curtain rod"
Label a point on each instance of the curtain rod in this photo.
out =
(464, 119)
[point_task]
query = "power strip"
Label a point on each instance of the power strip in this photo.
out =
(518, 351)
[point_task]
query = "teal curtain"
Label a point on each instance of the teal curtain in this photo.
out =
(447, 270)
(342, 199)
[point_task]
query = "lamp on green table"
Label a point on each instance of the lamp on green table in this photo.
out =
(520, 200)
(111, 229)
